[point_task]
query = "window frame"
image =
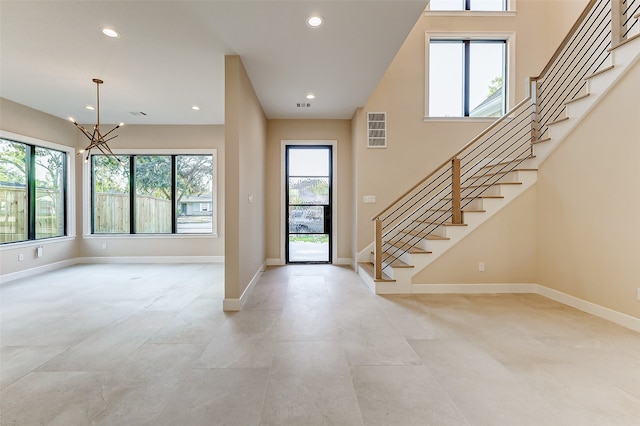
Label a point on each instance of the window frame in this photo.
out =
(88, 196)
(509, 11)
(510, 42)
(68, 190)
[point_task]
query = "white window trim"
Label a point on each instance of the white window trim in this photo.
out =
(510, 39)
(71, 188)
(511, 11)
(86, 193)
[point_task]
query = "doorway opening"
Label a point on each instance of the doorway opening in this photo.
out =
(308, 196)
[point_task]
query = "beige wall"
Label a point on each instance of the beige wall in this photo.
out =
(416, 146)
(588, 242)
(245, 150)
(506, 243)
(338, 130)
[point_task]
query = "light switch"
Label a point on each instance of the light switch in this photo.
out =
(369, 199)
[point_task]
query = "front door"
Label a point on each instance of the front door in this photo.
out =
(308, 204)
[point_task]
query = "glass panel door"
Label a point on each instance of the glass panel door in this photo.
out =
(308, 198)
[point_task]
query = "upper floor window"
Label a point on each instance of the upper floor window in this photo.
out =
(467, 78)
(33, 192)
(473, 5)
(153, 194)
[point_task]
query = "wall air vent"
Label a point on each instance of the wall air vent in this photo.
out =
(376, 130)
(138, 113)
(303, 105)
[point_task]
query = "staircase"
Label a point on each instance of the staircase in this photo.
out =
(501, 163)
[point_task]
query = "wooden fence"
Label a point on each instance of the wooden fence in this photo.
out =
(153, 215)
(13, 214)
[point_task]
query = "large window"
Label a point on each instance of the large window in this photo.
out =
(32, 192)
(480, 5)
(153, 194)
(467, 78)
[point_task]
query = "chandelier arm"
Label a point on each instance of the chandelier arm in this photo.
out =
(110, 131)
(83, 130)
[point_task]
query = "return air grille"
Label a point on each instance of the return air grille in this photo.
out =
(377, 130)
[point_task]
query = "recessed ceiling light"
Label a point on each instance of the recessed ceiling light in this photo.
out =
(195, 108)
(90, 108)
(109, 32)
(315, 21)
(311, 96)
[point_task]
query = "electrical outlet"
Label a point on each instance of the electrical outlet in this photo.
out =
(481, 266)
(104, 246)
(20, 257)
(39, 251)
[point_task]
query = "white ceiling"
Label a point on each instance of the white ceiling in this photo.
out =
(170, 56)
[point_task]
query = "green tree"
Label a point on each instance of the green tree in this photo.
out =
(495, 85)
(13, 163)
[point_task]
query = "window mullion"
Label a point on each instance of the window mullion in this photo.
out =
(132, 194)
(31, 191)
(466, 77)
(174, 213)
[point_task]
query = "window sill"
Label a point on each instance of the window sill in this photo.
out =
(469, 13)
(35, 243)
(462, 119)
(148, 236)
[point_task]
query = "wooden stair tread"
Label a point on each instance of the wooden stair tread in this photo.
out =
(586, 95)
(486, 185)
(504, 172)
(559, 120)
(602, 71)
(394, 262)
(433, 222)
(425, 236)
(407, 247)
(540, 141)
(627, 40)
(370, 269)
(478, 197)
(464, 210)
(504, 163)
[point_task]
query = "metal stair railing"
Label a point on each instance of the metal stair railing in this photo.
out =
(442, 196)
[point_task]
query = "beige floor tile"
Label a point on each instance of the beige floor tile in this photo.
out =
(229, 396)
(403, 395)
(309, 384)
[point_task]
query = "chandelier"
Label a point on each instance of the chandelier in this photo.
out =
(96, 138)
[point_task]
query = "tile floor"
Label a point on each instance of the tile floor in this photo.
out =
(149, 345)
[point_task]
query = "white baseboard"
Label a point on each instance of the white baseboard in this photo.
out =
(473, 288)
(344, 261)
(234, 305)
(106, 260)
(619, 318)
(151, 259)
(37, 270)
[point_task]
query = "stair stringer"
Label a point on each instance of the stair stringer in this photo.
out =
(623, 58)
(403, 276)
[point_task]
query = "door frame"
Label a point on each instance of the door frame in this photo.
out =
(334, 192)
